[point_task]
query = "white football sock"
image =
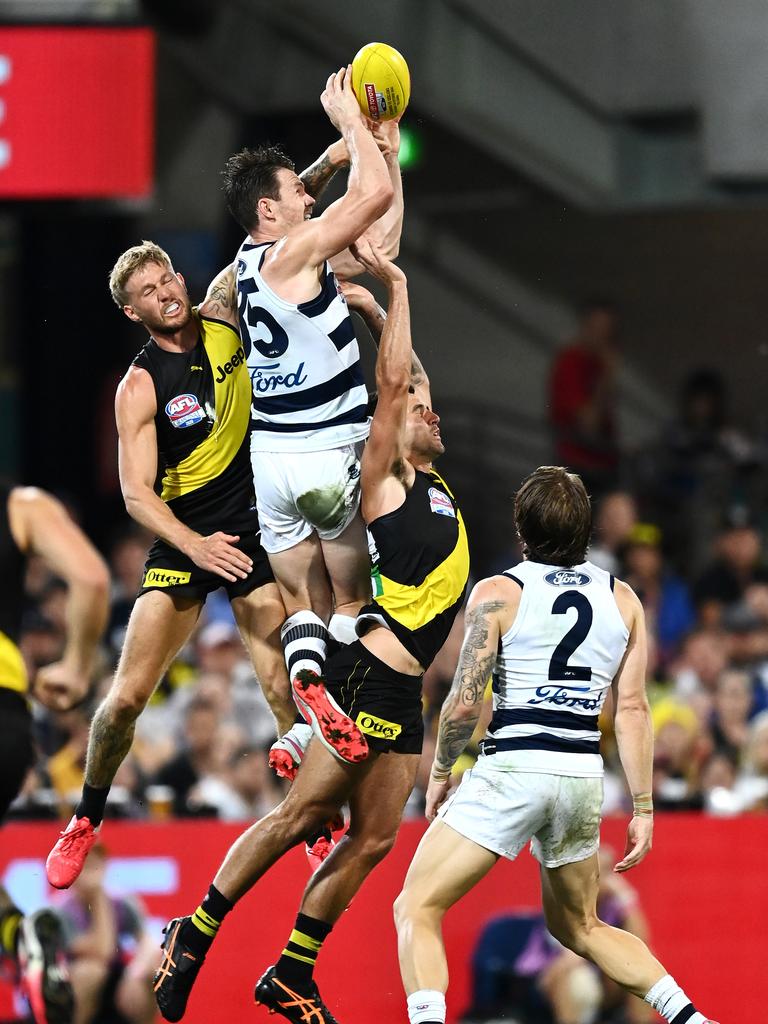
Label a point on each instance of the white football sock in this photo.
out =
(342, 628)
(426, 1006)
(668, 999)
(304, 637)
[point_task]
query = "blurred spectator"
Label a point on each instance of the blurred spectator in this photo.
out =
(112, 957)
(220, 648)
(615, 517)
(752, 784)
(41, 642)
(695, 672)
(126, 560)
(738, 565)
(52, 604)
(680, 747)
(582, 398)
(718, 785)
(732, 705)
(67, 766)
(668, 608)
(700, 466)
(203, 754)
(247, 792)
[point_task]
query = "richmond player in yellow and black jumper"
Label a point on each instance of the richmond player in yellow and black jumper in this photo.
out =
(422, 568)
(34, 523)
(183, 417)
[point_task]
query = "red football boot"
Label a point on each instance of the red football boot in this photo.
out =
(66, 859)
(335, 730)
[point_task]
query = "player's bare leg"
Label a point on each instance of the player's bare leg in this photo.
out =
(260, 616)
(301, 575)
(160, 624)
(376, 805)
(445, 867)
(376, 809)
(569, 895)
(320, 789)
(348, 566)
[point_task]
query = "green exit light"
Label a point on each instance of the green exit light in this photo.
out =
(410, 148)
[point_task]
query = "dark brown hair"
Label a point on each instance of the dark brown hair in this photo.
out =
(553, 516)
(249, 176)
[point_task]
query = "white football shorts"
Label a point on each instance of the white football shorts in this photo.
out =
(502, 810)
(299, 493)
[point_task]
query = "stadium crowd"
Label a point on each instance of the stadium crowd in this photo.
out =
(686, 535)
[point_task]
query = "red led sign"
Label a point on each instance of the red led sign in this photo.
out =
(76, 112)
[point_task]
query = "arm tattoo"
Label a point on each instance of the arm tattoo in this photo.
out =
(221, 294)
(472, 674)
(317, 177)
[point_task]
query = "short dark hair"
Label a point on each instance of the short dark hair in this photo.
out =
(250, 175)
(553, 516)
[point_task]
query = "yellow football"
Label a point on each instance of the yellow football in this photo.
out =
(381, 81)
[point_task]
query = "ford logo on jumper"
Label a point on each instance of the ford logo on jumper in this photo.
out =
(567, 578)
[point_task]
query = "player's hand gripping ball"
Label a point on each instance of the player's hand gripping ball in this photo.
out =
(381, 81)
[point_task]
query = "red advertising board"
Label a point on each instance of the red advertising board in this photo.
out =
(704, 890)
(76, 112)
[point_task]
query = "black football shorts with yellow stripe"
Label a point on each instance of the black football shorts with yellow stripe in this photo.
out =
(384, 704)
(170, 570)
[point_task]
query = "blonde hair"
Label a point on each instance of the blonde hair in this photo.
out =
(134, 259)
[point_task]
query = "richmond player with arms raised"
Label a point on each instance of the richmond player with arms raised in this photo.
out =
(422, 570)
(556, 632)
(182, 408)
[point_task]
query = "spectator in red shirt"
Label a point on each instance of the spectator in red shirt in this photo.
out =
(582, 398)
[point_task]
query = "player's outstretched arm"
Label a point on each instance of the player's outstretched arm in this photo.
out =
(135, 408)
(318, 176)
(364, 303)
(634, 731)
(220, 300)
(385, 472)
(369, 191)
(42, 526)
(489, 601)
(387, 230)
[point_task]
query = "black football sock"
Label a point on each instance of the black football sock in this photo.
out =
(202, 928)
(297, 961)
(92, 804)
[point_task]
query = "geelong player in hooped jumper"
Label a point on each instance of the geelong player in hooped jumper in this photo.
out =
(556, 632)
(309, 397)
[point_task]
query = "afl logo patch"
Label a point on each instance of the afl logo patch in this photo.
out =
(184, 411)
(440, 503)
(567, 578)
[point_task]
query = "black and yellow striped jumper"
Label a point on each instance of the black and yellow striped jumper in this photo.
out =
(420, 560)
(202, 424)
(16, 750)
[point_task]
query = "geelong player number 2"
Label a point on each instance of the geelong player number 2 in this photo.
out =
(576, 635)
